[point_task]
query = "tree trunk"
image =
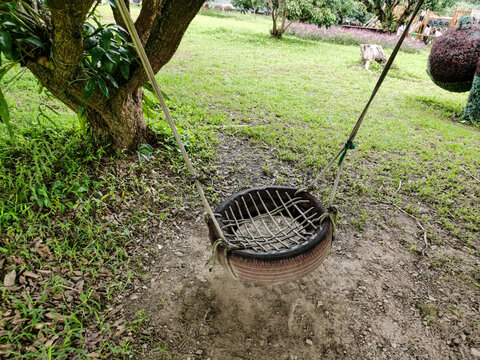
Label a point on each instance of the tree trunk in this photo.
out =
(276, 31)
(118, 119)
(121, 120)
(161, 26)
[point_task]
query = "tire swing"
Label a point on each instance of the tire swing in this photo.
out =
(268, 234)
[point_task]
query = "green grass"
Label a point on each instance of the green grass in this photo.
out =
(70, 207)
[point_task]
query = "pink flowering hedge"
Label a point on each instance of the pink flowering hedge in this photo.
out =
(346, 36)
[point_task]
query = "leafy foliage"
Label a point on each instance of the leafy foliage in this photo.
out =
(472, 110)
(21, 36)
(248, 5)
(107, 53)
(22, 32)
(350, 10)
(309, 11)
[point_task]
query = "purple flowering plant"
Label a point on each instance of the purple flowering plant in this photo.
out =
(351, 36)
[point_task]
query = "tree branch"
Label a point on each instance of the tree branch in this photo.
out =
(67, 19)
(145, 19)
(117, 16)
(166, 33)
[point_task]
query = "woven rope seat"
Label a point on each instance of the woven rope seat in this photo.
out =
(272, 234)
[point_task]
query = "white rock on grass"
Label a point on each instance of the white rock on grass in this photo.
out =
(9, 279)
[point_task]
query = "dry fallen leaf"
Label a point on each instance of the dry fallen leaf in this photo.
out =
(51, 341)
(18, 260)
(43, 251)
(114, 311)
(45, 272)
(32, 275)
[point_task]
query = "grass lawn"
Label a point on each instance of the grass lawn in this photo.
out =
(72, 214)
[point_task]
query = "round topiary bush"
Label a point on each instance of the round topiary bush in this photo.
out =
(454, 64)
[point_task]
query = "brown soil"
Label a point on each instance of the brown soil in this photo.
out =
(376, 296)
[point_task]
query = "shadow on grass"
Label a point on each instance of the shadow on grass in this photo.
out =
(453, 111)
(433, 103)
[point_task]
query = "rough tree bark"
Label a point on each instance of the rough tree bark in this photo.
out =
(161, 26)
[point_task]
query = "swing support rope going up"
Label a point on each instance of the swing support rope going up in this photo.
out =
(151, 76)
(341, 154)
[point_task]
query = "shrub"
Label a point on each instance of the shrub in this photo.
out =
(345, 36)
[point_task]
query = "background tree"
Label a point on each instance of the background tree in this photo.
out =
(384, 10)
(349, 9)
(285, 12)
(249, 5)
(461, 5)
(91, 67)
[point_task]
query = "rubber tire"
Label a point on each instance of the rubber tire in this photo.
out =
(264, 270)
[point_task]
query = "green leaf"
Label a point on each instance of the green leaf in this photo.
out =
(82, 119)
(99, 24)
(10, 26)
(145, 149)
(106, 39)
(5, 43)
(12, 6)
(125, 52)
(149, 87)
(109, 57)
(5, 115)
(90, 43)
(6, 69)
(112, 3)
(103, 87)
(107, 64)
(97, 54)
(89, 88)
(112, 80)
(144, 152)
(124, 69)
(35, 41)
(120, 32)
(113, 50)
(122, 29)
(149, 102)
(88, 29)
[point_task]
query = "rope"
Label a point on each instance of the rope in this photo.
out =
(350, 144)
(213, 257)
(151, 76)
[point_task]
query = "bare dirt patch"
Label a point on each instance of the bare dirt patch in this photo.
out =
(375, 297)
